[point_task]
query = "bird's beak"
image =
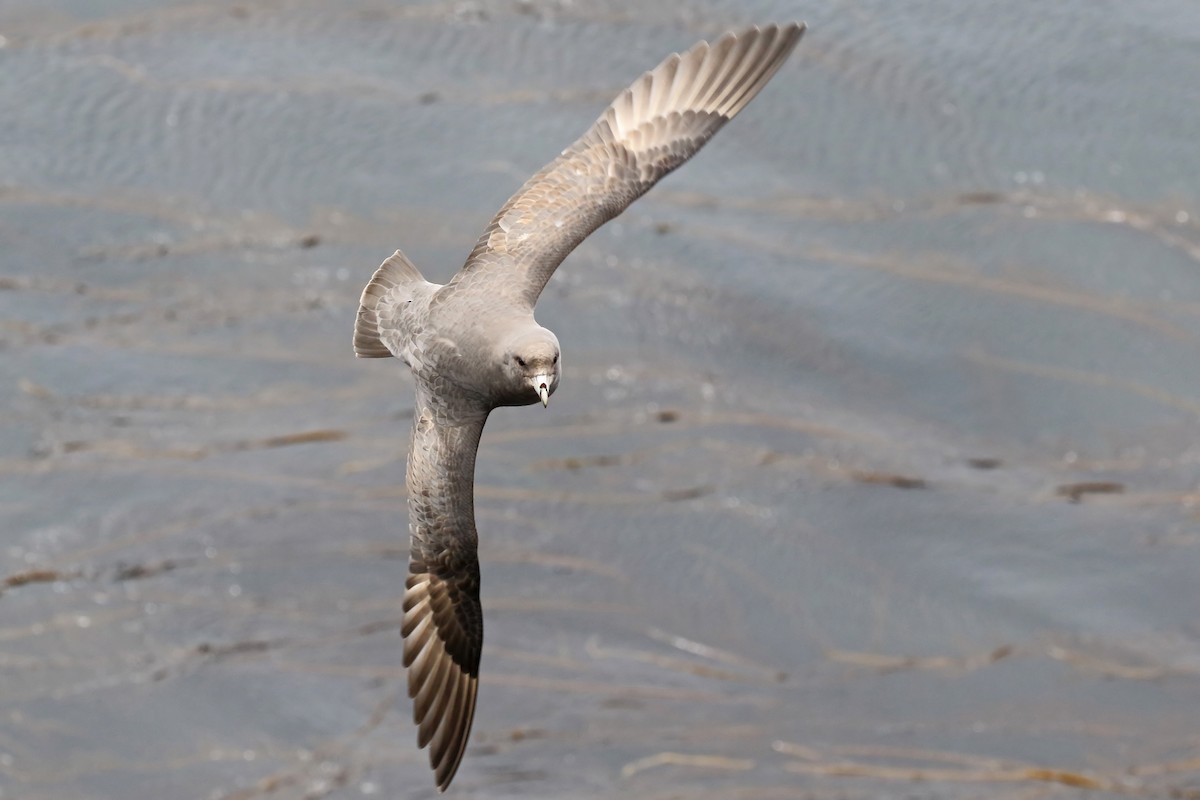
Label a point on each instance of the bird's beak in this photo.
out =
(542, 382)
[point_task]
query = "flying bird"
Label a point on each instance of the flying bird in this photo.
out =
(473, 344)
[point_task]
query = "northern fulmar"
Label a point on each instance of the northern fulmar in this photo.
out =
(473, 344)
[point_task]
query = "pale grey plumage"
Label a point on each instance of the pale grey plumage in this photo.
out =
(473, 344)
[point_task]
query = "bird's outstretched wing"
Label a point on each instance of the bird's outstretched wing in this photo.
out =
(443, 621)
(650, 129)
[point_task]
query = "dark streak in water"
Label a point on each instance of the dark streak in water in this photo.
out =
(37, 576)
(889, 479)
(984, 463)
(1076, 491)
(137, 572)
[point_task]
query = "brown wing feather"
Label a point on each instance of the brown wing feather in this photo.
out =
(443, 619)
(650, 129)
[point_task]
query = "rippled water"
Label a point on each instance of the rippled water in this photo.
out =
(873, 472)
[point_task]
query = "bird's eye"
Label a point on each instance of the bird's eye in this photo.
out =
(520, 361)
(556, 358)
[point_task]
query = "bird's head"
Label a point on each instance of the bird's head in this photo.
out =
(531, 365)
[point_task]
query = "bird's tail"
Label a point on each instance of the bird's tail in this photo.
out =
(391, 286)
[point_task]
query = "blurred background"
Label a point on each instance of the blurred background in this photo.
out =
(873, 473)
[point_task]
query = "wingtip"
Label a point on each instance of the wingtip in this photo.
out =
(792, 26)
(443, 662)
(792, 31)
(450, 756)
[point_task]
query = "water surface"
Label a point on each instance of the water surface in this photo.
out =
(873, 472)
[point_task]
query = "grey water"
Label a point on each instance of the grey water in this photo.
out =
(874, 471)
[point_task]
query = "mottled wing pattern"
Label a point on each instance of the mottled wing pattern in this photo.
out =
(650, 129)
(443, 620)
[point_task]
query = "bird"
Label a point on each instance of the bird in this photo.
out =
(473, 344)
